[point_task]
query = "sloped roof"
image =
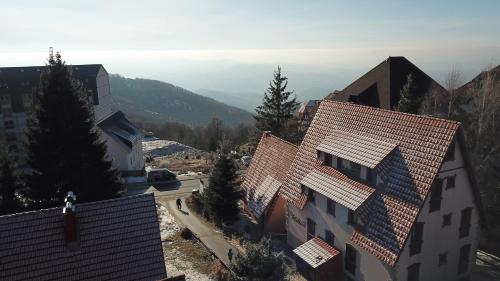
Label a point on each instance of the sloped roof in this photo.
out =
(118, 126)
(267, 171)
(337, 186)
(355, 147)
(316, 252)
(407, 173)
(119, 239)
(381, 86)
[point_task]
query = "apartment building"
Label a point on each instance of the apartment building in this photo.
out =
(380, 195)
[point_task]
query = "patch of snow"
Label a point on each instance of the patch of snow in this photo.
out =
(163, 148)
(168, 226)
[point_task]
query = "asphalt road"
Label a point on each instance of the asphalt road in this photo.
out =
(183, 185)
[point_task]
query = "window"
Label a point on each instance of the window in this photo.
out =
(443, 259)
(350, 259)
(10, 137)
(416, 238)
(371, 177)
(351, 217)
(329, 237)
(351, 169)
(465, 222)
(328, 160)
(450, 155)
(311, 229)
(330, 206)
(8, 124)
(436, 196)
(450, 182)
(463, 260)
(414, 272)
(311, 196)
(446, 220)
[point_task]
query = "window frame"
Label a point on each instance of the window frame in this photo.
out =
(310, 224)
(443, 259)
(464, 259)
(413, 272)
(465, 222)
(328, 235)
(416, 238)
(350, 259)
(446, 220)
(351, 217)
(330, 207)
(451, 179)
(436, 196)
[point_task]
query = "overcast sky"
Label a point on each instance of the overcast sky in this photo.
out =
(158, 39)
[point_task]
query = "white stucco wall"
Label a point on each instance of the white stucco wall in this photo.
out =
(435, 238)
(438, 239)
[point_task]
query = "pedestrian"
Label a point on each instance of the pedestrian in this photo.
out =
(230, 254)
(179, 203)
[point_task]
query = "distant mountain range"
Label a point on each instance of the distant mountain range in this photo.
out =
(156, 101)
(249, 100)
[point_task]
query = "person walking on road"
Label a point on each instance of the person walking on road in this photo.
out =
(230, 254)
(179, 203)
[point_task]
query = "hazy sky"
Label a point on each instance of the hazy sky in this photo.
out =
(167, 39)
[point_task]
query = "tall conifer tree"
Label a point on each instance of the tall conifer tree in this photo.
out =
(222, 194)
(278, 108)
(9, 183)
(63, 149)
(411, 99)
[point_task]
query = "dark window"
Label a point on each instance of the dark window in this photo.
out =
(328, 160)
(350, 259)
(443, 259)
(330, 207)
(450, 155)
(351, 169)
(436, 195)
(465, 222)
(329, 237)
(311, 229)
(311, 197)
(450, 182)
(371, 177)
(463, 260)
(416, 238)
(446, 220)
(351, 217)
(8, 124)
(10, 137)
(414, 272)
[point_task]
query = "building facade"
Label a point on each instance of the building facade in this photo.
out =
(391, 193)
(18, 86)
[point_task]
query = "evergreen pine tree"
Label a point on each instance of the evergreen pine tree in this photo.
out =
(222, 195)
(63, 149)
(277, 109)
(410, 100)
(259, 263)
(9, 184)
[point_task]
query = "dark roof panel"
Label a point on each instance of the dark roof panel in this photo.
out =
(119, 239)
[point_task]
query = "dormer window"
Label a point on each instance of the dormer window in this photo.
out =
(351, 169)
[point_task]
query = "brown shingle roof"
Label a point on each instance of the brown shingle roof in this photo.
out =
(408, 172)
(267, 171)
(119, 239)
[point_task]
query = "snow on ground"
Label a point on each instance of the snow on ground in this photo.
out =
(175, 264)
(168, 226)
(162, 148)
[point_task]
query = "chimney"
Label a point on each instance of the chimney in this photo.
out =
(70, 223)
(267, 133)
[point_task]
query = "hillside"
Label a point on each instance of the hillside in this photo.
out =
(156, 101)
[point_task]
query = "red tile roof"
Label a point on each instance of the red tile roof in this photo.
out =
(408, 172)
(316, 252)
(267, 171)
(119, 239)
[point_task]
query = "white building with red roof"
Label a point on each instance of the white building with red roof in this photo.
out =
(263, 180)
(392, 193)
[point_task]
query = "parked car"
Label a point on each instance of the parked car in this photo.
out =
(159, 175)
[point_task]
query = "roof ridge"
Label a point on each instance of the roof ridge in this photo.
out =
(429, 117)
(80, 204)
(279, 139)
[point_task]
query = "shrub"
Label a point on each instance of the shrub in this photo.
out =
(186, 233)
